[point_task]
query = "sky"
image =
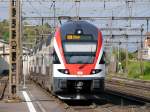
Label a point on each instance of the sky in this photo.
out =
(92, 8)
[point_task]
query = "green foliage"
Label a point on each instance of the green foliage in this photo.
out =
(33, 32)
(131, 56)
(122, 55)
(134, 69)
(6, 36)
(147, 68)
(4, 30)
(30, 32)
(135, 72)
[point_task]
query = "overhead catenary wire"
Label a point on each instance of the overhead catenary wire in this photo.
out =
(37, 11)
(122, 1)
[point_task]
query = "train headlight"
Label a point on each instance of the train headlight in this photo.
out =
(65, 71)
(95, 71)
(79, 31)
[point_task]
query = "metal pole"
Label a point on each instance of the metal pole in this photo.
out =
(42, 27)
(14, 43)
(141, 60)
(77, 3)
(118, 57)
(126, 54)
(3, 50)
(26, 70)
(147, 25)
(24, 79)
(54, 8)
(119, 63)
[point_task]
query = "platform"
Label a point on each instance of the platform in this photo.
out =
(33, 99)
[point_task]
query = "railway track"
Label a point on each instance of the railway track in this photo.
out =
(139, 84)
(136, 89)
(3, 84)
(117, 100)
(109, 107)
(109, 104)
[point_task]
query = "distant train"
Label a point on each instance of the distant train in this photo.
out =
(70, 62)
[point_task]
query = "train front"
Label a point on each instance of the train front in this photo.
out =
(79, 66)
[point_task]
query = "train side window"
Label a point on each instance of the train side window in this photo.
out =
(55, 58)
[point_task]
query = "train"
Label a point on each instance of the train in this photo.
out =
(70, 62)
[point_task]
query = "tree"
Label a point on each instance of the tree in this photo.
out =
(4, 32)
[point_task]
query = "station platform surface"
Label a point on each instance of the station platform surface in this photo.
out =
(33, 99)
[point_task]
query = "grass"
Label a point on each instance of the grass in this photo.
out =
(135, 71)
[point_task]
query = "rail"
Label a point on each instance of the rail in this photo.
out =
(130, 87)
(105, 102)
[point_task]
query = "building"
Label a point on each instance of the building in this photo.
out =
(4, 56)
(146, 48)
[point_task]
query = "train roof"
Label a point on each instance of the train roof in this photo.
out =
(71, 27)
(79, 23)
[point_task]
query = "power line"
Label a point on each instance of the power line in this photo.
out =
(93, 18)
(136, 1)
(37, 11)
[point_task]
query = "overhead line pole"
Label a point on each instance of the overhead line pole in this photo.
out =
(14, 43)
(141, 52)
(54, 9)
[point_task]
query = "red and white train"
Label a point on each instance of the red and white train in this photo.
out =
(71, 61)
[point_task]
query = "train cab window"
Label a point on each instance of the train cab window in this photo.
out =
(55, 58)
(80, 59)
(85, 53)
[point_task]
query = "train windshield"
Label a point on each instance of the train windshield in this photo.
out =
(80, 52)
